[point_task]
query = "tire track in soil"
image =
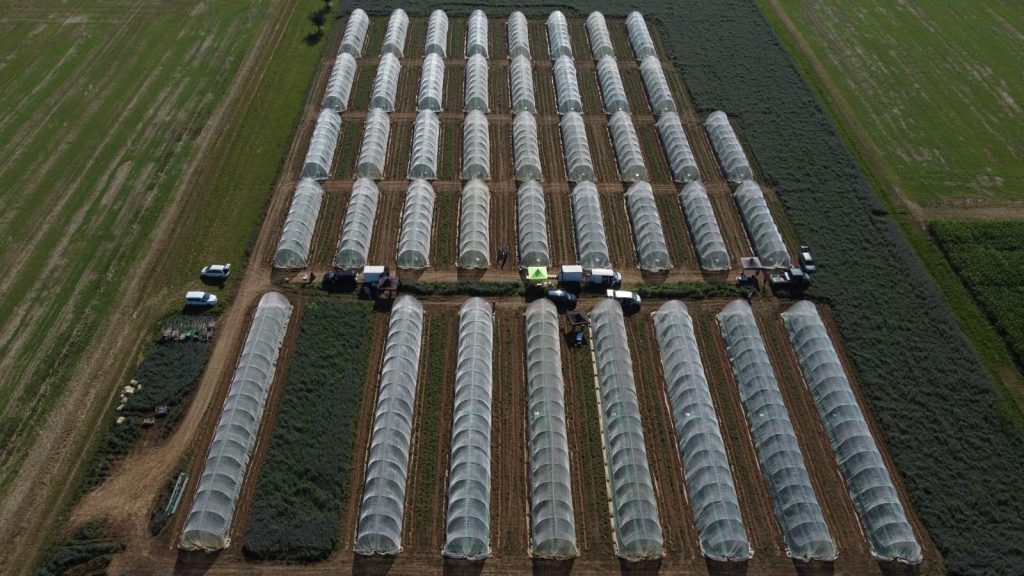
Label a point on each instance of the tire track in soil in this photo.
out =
(618, 232)
(384, 243)
(503, 227)
(561, 245)
(509, 486)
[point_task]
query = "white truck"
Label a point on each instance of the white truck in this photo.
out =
(595, 278)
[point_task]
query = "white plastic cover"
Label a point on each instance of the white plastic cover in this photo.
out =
(417, 221)
(385, 83)
(760, 225)
(469, 478)
(476, 34)
(532, 225)
(357, 229)
(867, 477)
(476, 88)
(394, 36)
(208, 524)
(520, 76)
(651, 249)
(727, 147)
(339, 87)
(567, 88)
(709, 482)
(635, 511)
(383, 506)
(321, 146)
(656, 85)
(639, 36)
(293, 247)
(677, 148)
(579, 166)
(431, 94)
(425, 134)
(600, 39)
(552, 521)
(474, 222)
(437, 34)
(613, 93)
(526, 147)
(591, 242)
(796, 506)
(476, 147)
(518, 35)
(355, 33)
(559, 43)
(627, 148)
(374, 150)
(700, 219)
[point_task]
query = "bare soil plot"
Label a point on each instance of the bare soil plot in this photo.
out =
(561, 239)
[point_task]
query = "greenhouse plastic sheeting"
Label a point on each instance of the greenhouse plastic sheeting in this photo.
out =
(477, 97)
(469, 478)
(474, 225)
(520, 76)
(476, 34)
(591, 242)
(709, 483)
(394, 36)
(659, 95)
(613, 94)
(357, 230)
(321, 146)
(417, 221)
(648, 235)
(208, 524)
(476, 147)
(293, 247)
(385, 83)
(867, 477)
(383, 506)
(339, 87)
(627, 148)
(600, 39)
(566, 86)
(639, 36)
(727, 147)
(423, 159)
(700, 219)
(635, 512)
(677, 148)
(518, 35)
(760, 225)
(559, 43)
(374, 150)
(552, 522)
(437, 34)
(532, 225)
(796, 507)
(526, 147)
(431, 93)
(355, 33)
(579, 166)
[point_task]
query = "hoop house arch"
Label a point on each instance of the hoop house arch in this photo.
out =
(656, 85)
(394, 36)
(527, 149)
(613, 93)
(520, 75)
(357, 229)
(558, 36)
(760, 225)
(385, 83)
(476, 147)
(297, 234)
(567, 89)
(339, 87)
(476, 35)
(651, 249)
(437, 34)
(532, 225)
(639, 36)
(474, 225)
(431, 84)
(579, 166)
(703, 225)
(373, 152)
(627, 148)
(677, 148)
(600, 39)
(355, 33)
(425, 134)
(320, 155)
(727, 147)
(591, 241)
(417, 221)
(518, 35)
(477, 96)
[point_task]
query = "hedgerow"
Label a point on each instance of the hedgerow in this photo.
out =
(87, 552)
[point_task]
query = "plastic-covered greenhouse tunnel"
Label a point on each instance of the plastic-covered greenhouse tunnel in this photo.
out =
(417, 221)
(297, 233)
(357, 228)
(703, 226)
(727, 148)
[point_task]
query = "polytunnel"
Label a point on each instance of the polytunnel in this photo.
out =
(709, 482)
(437, 34)
(567, 89)
(355, 33)
(532, 225)
(600, 39)
(559, 42)
(552, 521)
(431, 93)
(474, 220)
(659, 95)
(796, 506)
(208, 524)
(760, 225)
(357, 229)
(374, 150)
(635, 512)
(394, 35)
(639, 36)
(476, 147)
(476, 35)
(518, 35)
(379, 530)
(339, 87)
(321, 146)
(727, 148)
(867, 477)
(627, 148)
(417, 222)
(700, 219)
(520, 75)
(293, 247)
(526, 147)
(469, 477)
(677, 148)
(651, 249)
(423, 158)
(476, 90)
(613, 93)
(579, 166)
(591, 242)
(385, 83)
